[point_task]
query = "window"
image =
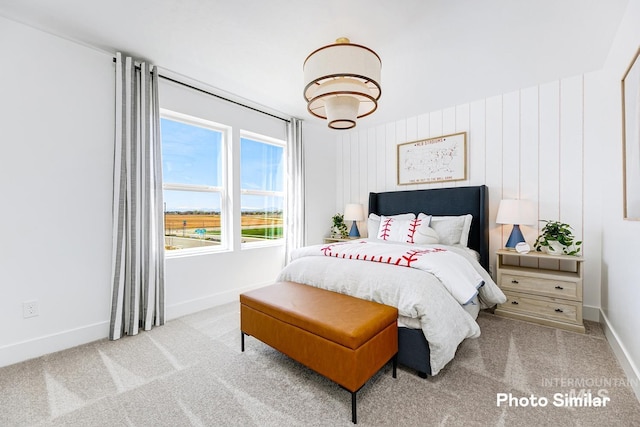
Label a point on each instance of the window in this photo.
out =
(196, 160)
(194, 182)
(262, 172)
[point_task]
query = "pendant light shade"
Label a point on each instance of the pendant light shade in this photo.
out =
(342, 83)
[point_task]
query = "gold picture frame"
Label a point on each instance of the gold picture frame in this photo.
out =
(439, 159)
(631, 140)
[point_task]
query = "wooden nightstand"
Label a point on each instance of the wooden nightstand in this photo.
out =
(335, 239)
(541, 288)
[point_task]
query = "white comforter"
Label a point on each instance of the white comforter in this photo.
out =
(416, 293)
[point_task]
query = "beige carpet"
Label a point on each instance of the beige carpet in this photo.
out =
(191, 372)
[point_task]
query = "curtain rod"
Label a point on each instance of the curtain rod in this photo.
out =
(216, 95)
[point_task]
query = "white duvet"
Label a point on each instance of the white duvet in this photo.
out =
(416, 293)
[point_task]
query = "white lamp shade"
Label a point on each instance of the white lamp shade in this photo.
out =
(342, 111)
(346, 60)
(353, 212)
(512, 211)
(342, 83)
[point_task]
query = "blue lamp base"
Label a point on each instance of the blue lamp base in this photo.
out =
(515, 237)
(354, 233)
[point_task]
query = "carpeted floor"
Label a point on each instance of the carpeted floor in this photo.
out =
(191, 372)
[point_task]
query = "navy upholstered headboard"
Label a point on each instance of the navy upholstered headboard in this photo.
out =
(440, 202)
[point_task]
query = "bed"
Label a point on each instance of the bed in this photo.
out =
(433, 322)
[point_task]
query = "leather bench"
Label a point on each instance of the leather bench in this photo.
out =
(343, 338)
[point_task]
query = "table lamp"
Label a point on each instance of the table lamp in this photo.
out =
(516, 212)
(354, 212)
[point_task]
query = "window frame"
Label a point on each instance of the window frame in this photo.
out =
(244, 134)
(226, 211)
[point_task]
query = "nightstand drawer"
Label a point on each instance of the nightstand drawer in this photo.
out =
(541, 286)
(544, 308)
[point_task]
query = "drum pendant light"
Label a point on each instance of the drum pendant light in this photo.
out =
(342, 83)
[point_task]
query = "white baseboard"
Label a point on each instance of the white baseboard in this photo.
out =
(629, 368)
(591, 313)
(192, 306)
(36, 347)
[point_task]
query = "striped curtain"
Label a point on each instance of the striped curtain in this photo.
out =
(296, 232)
(138, 242)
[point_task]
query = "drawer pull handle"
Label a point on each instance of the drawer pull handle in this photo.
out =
(514, 281)
(514, 302)
(559, 310)
(559, 287)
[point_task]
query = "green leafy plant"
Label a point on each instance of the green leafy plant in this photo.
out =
(339, 226)
(560, 232)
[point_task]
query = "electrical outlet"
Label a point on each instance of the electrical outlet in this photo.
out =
(30, 309)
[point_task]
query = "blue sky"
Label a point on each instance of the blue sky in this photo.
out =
(193, 155)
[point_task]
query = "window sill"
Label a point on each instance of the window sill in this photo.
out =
(265, 244)
(181, 253)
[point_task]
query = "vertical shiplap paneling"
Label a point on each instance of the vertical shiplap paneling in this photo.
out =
(372, 164)
(411, 134)
(372, 176)
(400, 137)
(363, 154)
(381, 161)
(423, 126)
(549, 154)
(549, 157)
(526, 144)
(435, 123)
(449, 121)
(462, 125)
(493, 175)
(571, 152)
(355, 172)
(435, 129)
(340, 171)
(347, 170)
(411, 130)
(510, 150)
(448, 128)
(363, 185)
(477, 147)
(424, 131)
(529, 155)
(390, 150)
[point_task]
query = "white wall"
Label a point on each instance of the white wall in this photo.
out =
(320, 176)
(57, 121)
(527, 144)
(620, 268)
(56, 161)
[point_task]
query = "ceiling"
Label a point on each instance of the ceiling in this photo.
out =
(435, 53)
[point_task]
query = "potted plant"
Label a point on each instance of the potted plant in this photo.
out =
(339, 227)
(556, 238)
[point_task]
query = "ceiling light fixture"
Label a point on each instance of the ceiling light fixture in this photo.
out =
(342, 83)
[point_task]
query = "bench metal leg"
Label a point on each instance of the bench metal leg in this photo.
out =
(394, 363)
(354, 415)
(242, 341)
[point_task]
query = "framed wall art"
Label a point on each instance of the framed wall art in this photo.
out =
(631, 139)
(439, 159)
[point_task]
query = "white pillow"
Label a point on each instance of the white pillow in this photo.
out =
(426, 235)
(373, 223)
(452, 230)
(414, 230)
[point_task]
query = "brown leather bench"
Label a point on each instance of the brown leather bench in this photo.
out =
(346, 339)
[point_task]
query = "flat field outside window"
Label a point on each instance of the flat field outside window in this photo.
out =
(192, 219)
(262, 190)
(193, 185)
